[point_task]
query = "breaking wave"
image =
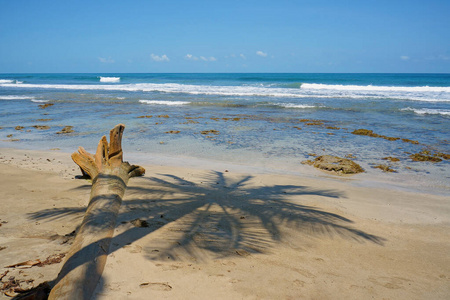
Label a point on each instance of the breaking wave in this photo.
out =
(292, 105)
(109, 79)
(9, 81)
(15, 97)
(366, 88)
(160, 102)
(307, 90)
(428, 111)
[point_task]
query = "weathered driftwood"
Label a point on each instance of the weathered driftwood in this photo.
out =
(87, 257)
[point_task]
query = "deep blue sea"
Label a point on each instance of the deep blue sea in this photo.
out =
(264, 120)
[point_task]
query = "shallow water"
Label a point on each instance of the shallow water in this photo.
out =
(262, 120)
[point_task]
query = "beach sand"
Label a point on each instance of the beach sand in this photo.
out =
(223, 234)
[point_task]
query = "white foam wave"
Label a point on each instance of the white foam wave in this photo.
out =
(430, 94)
(428, 111)
(319, 86)
(292, 105)
(7, 81)
(158, 102)
(15, 97)
(39, 101)
(109, 79)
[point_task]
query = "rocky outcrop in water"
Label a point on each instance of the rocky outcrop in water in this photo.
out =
(44, 106)
(41, 127)
(66, 129)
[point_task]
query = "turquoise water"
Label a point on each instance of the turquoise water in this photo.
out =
(261, 119)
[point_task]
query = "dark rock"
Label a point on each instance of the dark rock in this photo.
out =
(390, 158)
(443, 155)
(364, 132)
(41, 127)
(43, 106)
(384, 168)
(66, 129)
(410, 141)
(209, 131)
(335, 164)
(372, 134)
(424, 157)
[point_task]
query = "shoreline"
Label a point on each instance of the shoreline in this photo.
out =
(412, 181)
(262, 234)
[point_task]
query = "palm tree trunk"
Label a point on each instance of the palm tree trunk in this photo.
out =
(86, 258)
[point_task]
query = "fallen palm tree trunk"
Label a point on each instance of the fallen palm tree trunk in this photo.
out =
(87, 257)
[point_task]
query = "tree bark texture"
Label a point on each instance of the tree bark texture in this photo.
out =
(86, 258)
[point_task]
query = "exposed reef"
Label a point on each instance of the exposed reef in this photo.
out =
(335, 164)
(210, 132)
(41, 127)
(385, 168)
(65, 130)
(43, 106)
(370, 133)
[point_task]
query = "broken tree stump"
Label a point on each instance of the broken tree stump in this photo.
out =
(86, 258)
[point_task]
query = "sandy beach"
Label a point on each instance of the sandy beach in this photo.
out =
(189, 233)
(291, 150)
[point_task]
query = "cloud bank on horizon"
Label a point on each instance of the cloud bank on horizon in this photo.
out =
(243, 36)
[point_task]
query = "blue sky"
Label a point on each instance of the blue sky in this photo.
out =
(225, 36)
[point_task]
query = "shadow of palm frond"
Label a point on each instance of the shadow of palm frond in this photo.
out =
(220, 215)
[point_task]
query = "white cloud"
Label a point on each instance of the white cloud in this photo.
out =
(242, 56)
(159, 58)
(191, 57)
(108, 60)
(404, 57)
(260, 53)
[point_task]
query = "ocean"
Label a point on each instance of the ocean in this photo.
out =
(265, 121)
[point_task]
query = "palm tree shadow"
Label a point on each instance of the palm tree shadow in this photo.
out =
(218, 216)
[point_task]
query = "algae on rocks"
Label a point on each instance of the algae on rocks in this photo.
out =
(335, 164)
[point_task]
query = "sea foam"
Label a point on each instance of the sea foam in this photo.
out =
(316, 86)
(15, 97)
(158, 102)
(109, 79)
(323, 91)
(10, 81)
(292, 105)
(428, 111)
(7, 81)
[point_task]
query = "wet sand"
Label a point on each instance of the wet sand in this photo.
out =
(223, 233)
